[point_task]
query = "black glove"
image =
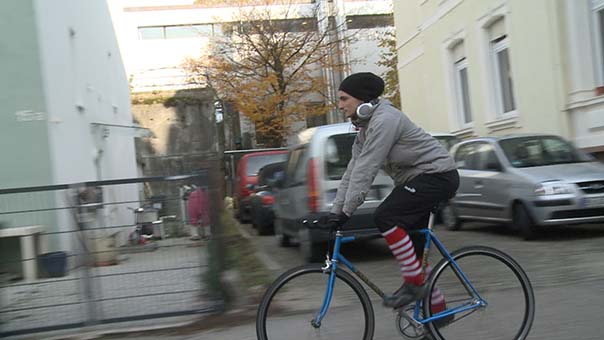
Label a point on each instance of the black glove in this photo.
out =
(333, 221)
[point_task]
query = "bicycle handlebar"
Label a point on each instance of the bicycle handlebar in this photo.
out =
(315, 224)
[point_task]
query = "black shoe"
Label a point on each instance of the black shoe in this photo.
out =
(444, 321)
(405, 295)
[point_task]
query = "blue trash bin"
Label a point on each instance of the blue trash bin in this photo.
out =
(54, 263)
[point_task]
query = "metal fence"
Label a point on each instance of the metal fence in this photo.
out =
(100, 252)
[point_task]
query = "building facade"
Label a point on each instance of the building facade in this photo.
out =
(64, 109)
(157, 36)
(492, 67)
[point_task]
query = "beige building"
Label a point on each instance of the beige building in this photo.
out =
(493, 67)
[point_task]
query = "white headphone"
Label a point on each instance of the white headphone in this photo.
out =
(365, 110)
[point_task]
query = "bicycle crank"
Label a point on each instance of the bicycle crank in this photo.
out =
(407, 326)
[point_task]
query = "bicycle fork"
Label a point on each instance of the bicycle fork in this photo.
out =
(331, 266)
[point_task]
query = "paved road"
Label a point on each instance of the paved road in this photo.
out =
(566, 267)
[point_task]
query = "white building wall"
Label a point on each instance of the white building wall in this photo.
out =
(85, 85)
(585, 72)
(156, 64)
(555, 66)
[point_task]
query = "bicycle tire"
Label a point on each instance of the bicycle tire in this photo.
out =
(297, 272)
(504, 259)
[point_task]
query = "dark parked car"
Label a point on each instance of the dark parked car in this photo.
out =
(262, 200)
(530, 181)
(247, 177)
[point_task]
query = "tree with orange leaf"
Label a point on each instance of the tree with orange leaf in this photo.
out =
(269, 65)
(389, 59)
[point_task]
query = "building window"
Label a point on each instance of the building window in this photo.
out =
(503, 76)
(188, 31)
(461, 84)
(598, 19)
(178, 31)
(145, 33)
(463, 91)
(502, 71)
(369, 21)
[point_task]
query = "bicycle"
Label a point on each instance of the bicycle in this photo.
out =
(294, 308)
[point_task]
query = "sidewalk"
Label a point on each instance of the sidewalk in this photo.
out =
(236, 323)
(166, 280)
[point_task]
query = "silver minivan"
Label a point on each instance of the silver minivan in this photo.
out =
(314, 168)
(530, 181)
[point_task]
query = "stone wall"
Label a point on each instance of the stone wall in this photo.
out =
(185, 138)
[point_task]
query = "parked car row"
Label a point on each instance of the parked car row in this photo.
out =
(313, 172)
(263, 197)
(527, 181)
(247, 177)
(315, 166)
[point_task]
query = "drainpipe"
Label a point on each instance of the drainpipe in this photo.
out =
(323, 22)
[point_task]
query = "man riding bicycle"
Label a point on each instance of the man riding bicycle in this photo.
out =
(423, 171)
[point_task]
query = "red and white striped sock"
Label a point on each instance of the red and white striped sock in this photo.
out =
(402, 247)
(438, 299)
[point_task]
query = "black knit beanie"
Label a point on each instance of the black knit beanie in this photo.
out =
(365, 86)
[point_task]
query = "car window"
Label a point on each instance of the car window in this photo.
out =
(466, 157)
(486, 157)
(447, 141)
(254, 163)
(539, 151)
(295, 171)
(270, 173)
(338, 152)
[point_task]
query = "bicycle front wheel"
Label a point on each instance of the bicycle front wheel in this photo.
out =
(498, 280)
(296, 297)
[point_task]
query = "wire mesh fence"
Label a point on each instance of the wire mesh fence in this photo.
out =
(101, 252)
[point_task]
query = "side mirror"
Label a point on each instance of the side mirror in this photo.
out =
(249, 187)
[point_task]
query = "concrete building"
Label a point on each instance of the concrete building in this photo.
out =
(491, 67)
(64, 110)
(156, 36)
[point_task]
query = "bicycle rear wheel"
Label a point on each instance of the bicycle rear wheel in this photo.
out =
(499, 281)
(295, 298)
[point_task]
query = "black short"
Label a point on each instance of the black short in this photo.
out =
(409, 205)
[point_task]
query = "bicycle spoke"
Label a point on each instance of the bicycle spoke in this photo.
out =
(509, 301)
(297, 302)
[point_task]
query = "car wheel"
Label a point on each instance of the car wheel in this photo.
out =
(264, 228)
(311, 252)
(242, 216)
(449, 217)
(523, 221)
(282, 239)
(253, 219)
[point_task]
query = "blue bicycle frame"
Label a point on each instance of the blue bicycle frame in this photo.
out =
(332, 266)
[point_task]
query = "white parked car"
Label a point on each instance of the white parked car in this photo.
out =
(314, 168)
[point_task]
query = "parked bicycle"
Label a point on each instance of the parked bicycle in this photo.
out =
(488, 296)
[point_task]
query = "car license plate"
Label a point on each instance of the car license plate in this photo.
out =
(594, 201)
